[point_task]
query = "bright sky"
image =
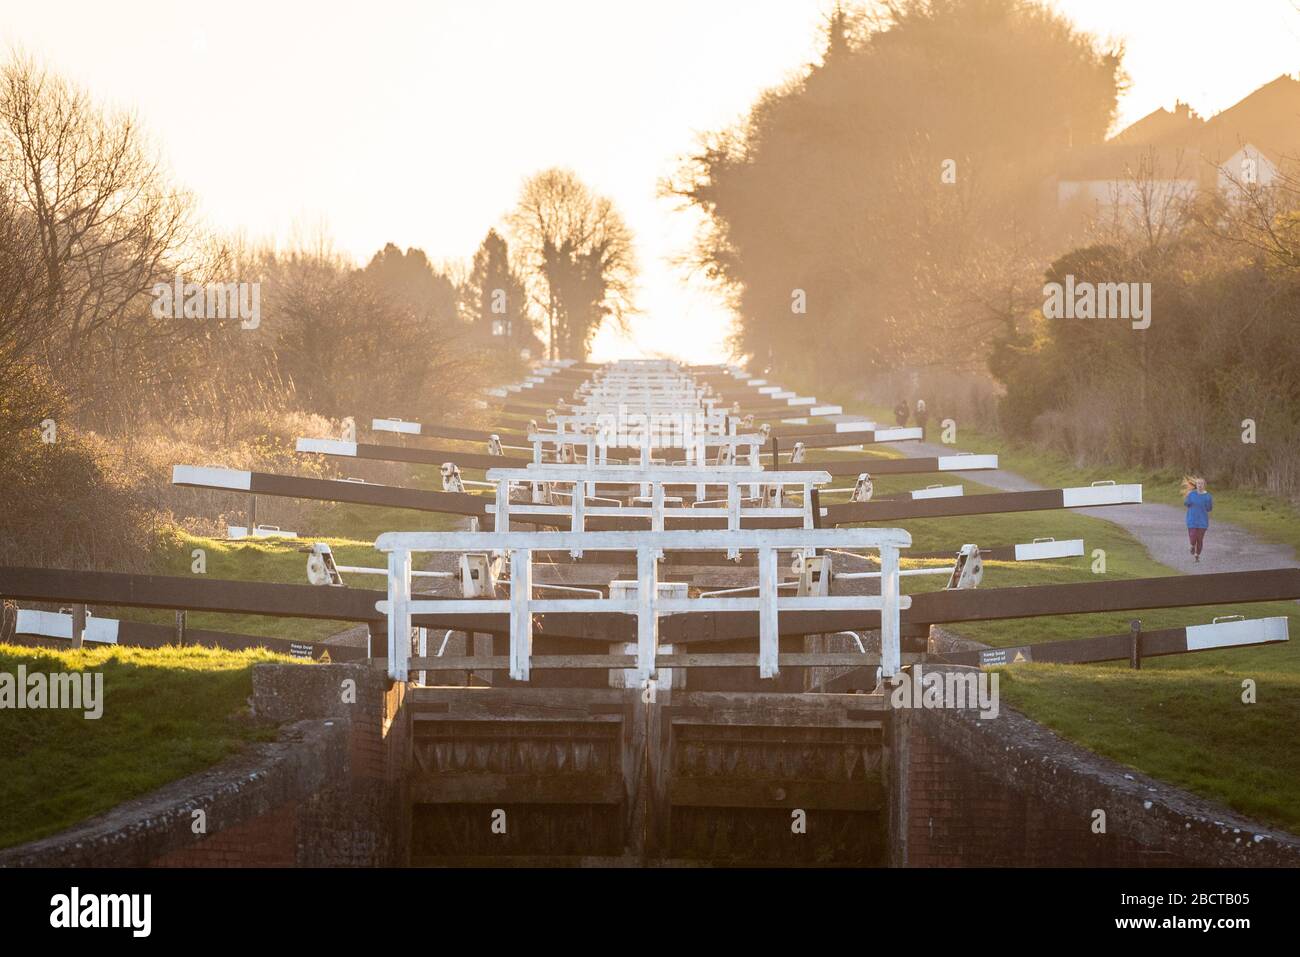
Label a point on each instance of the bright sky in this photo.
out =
(416, 122)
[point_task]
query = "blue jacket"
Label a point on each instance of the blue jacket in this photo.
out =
(1199, 505)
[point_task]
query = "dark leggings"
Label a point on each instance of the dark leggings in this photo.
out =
(1197, 537)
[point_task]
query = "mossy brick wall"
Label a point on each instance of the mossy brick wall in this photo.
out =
(1009, 792)
(329, 791)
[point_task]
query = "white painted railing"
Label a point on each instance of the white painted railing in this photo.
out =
(647, 606)
(652, 482)
(598, 442)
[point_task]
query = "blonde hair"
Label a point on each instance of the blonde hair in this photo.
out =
(1190, 482)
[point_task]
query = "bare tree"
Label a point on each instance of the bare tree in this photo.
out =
(577, 257)
(24, 320)
(1149, 201)
(1264, 218)
(107, 222)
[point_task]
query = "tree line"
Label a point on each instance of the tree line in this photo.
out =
(875, 211)
(94, 230)
(879, 225)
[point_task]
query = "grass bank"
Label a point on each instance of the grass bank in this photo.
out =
(1181, 719)
(167, 712)
(352, 531)
(171, 711)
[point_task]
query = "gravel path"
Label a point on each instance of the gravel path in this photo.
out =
(1160, 528)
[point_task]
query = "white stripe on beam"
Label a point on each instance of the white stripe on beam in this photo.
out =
(395, 425)
(47, 624)
(1226, 634)
(52, 624)
(962, 463)
(101, 630)
(328, 447)
(826, 410)
(212, 477)
(1101, 495)
(940, 491)
(238, 533)
(856, 425)
(1036, 551)
(891, 435)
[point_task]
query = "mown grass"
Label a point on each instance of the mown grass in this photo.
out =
(167, 712)
(365, 523)
(172, 711)
(353, 531)
(1180, 718)
(266, 560)
(1187, 726)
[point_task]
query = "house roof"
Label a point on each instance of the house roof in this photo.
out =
(1179, 125)
(1178, 144)
(1268, 119)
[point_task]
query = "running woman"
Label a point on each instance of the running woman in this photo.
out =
(1199, 504)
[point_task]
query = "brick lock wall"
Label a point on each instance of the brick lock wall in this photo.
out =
(265, 841)
(964, 792)
(963, 815)
(355, 818)
(367, 754)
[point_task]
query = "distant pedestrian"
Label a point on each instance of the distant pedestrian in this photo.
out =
(921, 415)
(901, 413)
(1199, 503)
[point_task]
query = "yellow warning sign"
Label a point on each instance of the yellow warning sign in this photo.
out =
(324, 657)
